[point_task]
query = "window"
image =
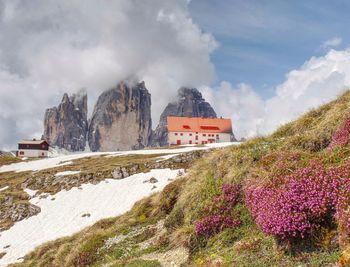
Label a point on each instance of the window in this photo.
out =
(203, 142)
(21, 152)
(178, 142)
(190, 142)
(175, 133)
(207, 127)
(217, 136)
(190, 134)
(196, 132)
(196, 137)
(204, 135)
(181, 134)
(186, 126)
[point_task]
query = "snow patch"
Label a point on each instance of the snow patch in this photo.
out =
(30, 192)
(66, 173)
(162, 158)
(73, 210)
(4, 188)
(62, 160)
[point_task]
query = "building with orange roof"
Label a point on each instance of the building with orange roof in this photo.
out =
(190, 130)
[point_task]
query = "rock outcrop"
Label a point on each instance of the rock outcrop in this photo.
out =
(66, 126)
(121, 119)
(189, 103)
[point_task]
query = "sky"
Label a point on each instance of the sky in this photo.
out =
(260, 63)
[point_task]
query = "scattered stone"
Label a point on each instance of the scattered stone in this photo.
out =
(2, 254)
(53, 199)
(180, 173)
(6, 247)
(86, 215)
(153, 180)
(18, 211)
(175, 257)
(154, 187)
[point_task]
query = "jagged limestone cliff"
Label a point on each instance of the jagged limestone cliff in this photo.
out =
(121, 119)
(66, 126)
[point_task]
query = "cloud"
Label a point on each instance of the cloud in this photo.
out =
(332, 43)
(49, 47)
(239, 103)
(316, 82)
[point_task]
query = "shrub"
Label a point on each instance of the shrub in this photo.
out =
(169, 195)
(296, 205)
(341, 136)
(175, 219)
(219, 211)
(213, 224)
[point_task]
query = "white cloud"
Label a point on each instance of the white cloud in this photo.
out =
(316, 82)
(50, 47)
(332, 43)
(240, 103)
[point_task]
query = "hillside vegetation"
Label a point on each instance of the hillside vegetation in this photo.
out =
(281, 200)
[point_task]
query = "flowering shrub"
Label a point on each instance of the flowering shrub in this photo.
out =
(219, 212)
(213, 224)
(341, 136)
(303, 201)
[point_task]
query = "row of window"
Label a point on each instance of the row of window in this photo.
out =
(204, 135)
(178, 142)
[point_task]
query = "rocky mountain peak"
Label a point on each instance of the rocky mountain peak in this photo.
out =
(66, 126)
(65, 98)
(121, 119)
(190, 103)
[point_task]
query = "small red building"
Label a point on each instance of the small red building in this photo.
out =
(33, 148)
(190, 130)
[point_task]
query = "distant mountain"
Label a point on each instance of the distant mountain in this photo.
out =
(190, 103)
(66, 126)
(121, 119)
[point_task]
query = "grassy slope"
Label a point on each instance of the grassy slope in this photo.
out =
(93, 169)
(4, 160)
(184, 201)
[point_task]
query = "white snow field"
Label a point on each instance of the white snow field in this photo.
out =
(66, 173)
(68, 212)
(62, 160)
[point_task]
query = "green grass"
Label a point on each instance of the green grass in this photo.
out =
(4, 160)
(292, 146)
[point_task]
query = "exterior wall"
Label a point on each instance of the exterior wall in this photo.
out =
(181, 138)
(32, 153)
(42, 146)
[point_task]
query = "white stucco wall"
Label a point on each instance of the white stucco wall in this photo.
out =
(187, 137)
(32, 153)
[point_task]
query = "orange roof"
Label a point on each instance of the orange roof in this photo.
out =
(207, 125)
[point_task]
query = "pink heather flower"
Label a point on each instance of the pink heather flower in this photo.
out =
(219, 212)
(341, 136)
(306, 199)
(213, 224)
